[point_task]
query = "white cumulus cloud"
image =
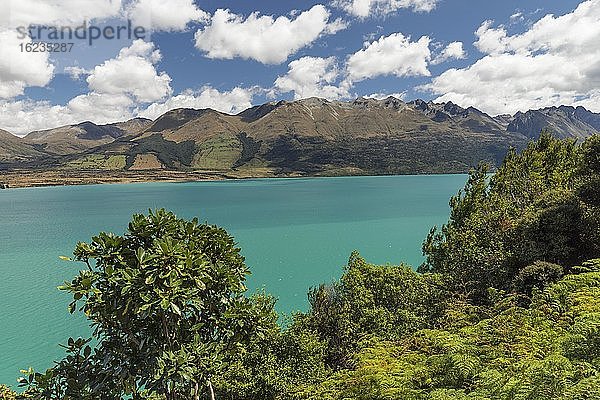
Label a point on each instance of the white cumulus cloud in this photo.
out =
(20, 69)
(390, 55)
(366, 8)
(233, 101)
(383, 96)
(491, 40)
(76, 72)
(313, 77)
(68, 12)
(100, 107)
(24, 116)
(132, 72)
(263, 38)
(556, 61)
(117, 88)
(165, 15)
(454, 51)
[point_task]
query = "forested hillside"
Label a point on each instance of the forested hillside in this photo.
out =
(506, 306)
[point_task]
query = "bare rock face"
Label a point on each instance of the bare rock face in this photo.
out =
(562, 122)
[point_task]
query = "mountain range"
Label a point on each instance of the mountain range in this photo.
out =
(297, 138)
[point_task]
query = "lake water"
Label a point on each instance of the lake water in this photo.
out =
(294, 233)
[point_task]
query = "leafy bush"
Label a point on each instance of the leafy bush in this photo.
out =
(385, 301)
(539, 275)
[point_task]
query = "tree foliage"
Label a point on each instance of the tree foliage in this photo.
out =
(166, 306)
(388, 301)
(538, 206)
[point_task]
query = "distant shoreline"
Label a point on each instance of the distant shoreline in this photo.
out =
(30, 179)
(27, 178)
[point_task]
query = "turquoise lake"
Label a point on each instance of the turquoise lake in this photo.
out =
(294, 233)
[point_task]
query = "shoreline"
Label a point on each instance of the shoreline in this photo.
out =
(30, 179)
(18, 179)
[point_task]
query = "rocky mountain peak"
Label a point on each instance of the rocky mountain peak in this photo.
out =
(257, 112)
(419, 104)
(174, 119)
(562, 121)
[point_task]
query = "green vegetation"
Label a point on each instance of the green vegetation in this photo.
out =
(541, 205)
(173, 155)
(411, 153)
(6, 393)
(507, 306)
(548, 350)
(218, 153)
(166, 307)
(98, 161)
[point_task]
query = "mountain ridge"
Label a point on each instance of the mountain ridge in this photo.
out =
(311, 136)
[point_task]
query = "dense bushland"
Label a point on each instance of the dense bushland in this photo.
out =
(541, 205)
(506, 306)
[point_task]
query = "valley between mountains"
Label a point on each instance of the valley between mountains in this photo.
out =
(311, 137)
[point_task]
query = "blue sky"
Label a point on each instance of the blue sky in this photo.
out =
(209, 54)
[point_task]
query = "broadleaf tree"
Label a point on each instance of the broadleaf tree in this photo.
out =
(167, 310)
